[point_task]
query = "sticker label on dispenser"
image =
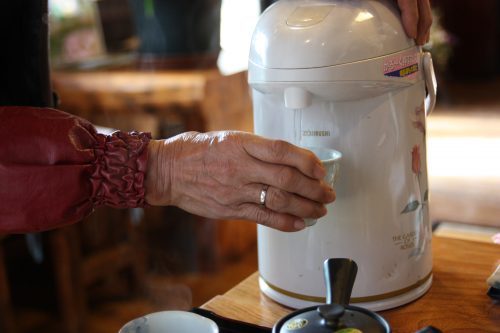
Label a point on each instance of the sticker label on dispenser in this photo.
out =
(402, 65)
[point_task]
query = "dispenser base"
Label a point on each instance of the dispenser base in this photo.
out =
(379, 305)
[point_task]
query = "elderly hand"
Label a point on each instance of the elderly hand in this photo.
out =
(417, 19)
(222, 175)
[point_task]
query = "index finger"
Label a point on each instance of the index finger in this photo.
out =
(282, 152)
(409, 15)
(424, 22)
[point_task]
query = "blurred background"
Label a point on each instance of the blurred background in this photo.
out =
(166, 67)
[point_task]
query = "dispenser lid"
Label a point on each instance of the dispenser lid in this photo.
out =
(299, 34)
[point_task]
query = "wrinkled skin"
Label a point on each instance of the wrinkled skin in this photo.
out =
(417, 19)
(221, 175)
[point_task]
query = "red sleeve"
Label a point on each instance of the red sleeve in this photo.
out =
(55, 169)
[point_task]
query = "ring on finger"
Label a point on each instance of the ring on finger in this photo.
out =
(263, 194)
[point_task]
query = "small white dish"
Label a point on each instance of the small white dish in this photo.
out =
(170, 322)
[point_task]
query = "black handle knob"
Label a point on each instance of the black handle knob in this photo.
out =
(331, 313)
(494, 293)
(340, 274)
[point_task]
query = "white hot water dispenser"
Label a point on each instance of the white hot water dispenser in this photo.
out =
(344, 75)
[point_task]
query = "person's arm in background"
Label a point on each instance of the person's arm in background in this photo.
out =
(55, 169)
(417, 19)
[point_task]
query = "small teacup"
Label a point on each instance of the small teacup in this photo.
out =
(330, 159)
(170, 321)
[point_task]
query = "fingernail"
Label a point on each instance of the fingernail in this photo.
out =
(319, 171)
(299, 224)
(331, 196)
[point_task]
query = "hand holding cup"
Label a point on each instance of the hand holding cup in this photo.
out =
(330, 159)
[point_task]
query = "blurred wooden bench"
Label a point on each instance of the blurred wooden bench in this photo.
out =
(199, 100)
(164, 103)
(80, 261)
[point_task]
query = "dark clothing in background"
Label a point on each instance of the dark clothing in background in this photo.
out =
(24, 63)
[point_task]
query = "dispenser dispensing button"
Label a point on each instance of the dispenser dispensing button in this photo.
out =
(305, 16)
(297, 98)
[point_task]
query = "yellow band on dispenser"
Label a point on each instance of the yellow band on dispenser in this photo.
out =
(366, 299)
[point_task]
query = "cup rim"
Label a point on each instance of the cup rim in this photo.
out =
(337, 154)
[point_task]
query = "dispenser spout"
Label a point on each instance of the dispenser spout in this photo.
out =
(297, 98)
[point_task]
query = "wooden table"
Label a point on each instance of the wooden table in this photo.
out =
(456, 302)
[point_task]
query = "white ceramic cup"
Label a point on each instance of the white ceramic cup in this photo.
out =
(330, 158)
(170, 322)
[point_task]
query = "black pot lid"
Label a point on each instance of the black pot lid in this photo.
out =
(332, 318)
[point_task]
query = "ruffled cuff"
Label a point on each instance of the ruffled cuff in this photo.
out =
(120, 170)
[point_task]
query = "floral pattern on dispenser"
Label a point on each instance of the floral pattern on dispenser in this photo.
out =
(418, 205)
(416, 166)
